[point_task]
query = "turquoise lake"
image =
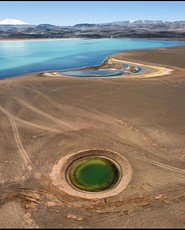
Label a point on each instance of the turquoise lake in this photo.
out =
(29, 56)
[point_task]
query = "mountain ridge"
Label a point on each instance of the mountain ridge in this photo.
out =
(118, 29)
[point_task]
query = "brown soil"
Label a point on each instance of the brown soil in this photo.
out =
(43, 119)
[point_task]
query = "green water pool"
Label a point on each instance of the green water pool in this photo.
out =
(93, 174)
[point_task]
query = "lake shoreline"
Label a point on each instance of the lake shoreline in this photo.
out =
(86, 38)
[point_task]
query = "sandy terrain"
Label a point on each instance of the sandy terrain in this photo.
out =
(45, 118)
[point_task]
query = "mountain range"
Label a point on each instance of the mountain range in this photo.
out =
(15, 28)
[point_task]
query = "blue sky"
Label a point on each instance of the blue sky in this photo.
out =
(74, 12)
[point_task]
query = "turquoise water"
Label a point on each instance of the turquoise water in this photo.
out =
(28, 56)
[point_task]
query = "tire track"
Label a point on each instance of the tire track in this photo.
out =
(18, 142)
(27, 122)
(165, 166)
(159, 164)
(61, 123)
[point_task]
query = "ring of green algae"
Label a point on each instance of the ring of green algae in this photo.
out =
(93, 174)
(60, 173)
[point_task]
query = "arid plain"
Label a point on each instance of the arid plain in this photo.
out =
(43, 119)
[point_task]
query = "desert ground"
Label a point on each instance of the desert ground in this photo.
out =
(44, 118)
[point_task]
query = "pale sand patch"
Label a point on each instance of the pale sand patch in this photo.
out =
(155, 70)
(51, 74)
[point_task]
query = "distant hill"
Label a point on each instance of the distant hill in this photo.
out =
(120, 29)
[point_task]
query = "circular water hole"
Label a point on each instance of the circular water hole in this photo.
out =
(93, 174)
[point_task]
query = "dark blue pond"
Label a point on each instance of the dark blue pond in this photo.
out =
(92, 73)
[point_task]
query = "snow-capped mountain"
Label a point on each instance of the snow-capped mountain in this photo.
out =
(12, 22)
